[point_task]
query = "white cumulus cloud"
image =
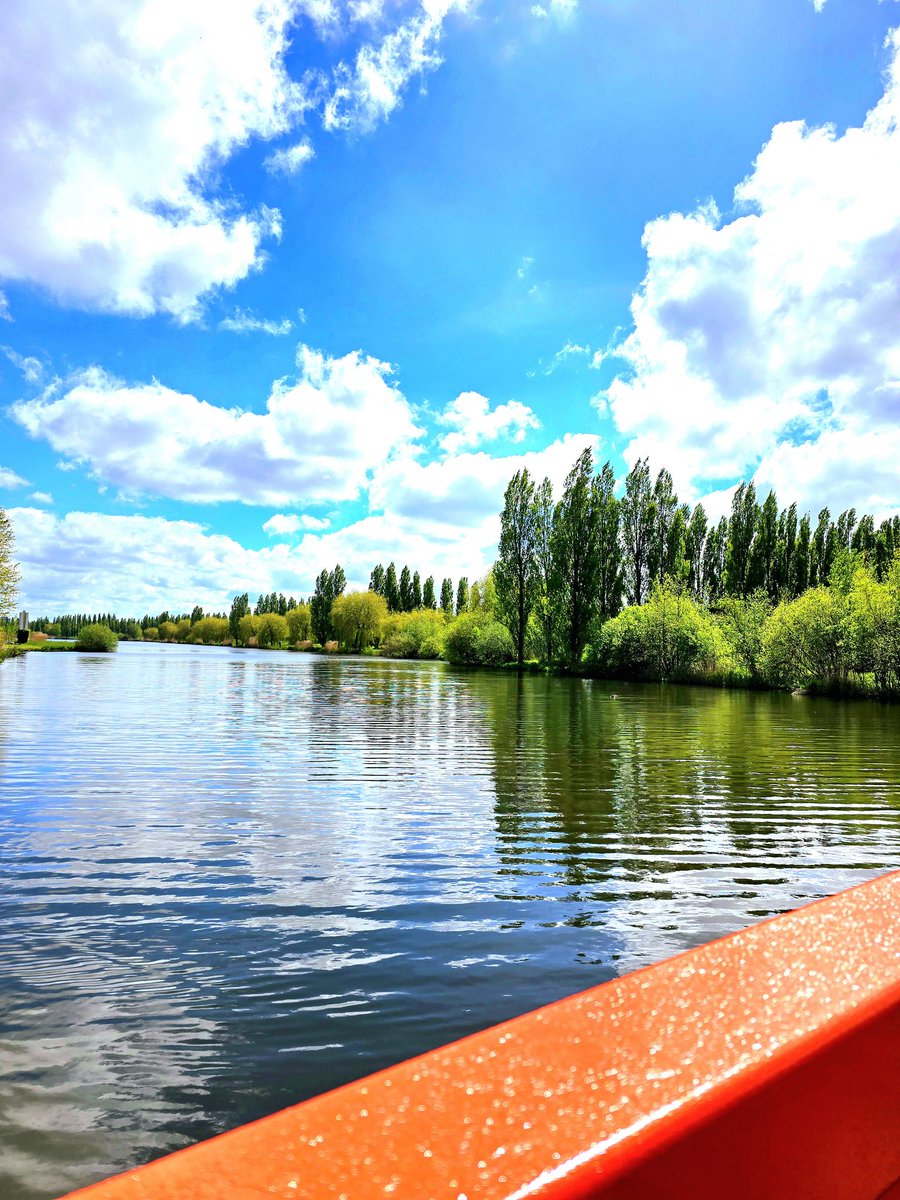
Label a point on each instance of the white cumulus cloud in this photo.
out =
(473, 421)
(317, 442)
(290, 524)
(769, 342)
(441, 518)
(117, 120)
(137, 564)
(113, 122)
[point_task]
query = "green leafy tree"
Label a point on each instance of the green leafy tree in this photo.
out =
(473, 641)
(392, 589)
(247, 627)
(418, 634)
(785, 553)
(863, 540)
(743, 622)
(272, 630)
(357, 618)
(543, 560)
(329, 585)
(515, 572)
(846, 523)
(765, 545)
(800, 567)
(9, 570)
(211, 631)
(406, 590)
(196, 614)
(664, 507)
(577, 552)
(714, 550)
(808, 640)
(483, 597)
(299, 623)
(376, 580)
(741, 532)
(97, 638)
(416, 590)
(240, 607)
(462, 595)
(694, 541)
(637, 515)
(821, 551)
(447, 597)
(611, 578)
(428, 598)
(670, 636)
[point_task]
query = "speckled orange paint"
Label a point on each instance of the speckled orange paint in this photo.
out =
(763, 1065)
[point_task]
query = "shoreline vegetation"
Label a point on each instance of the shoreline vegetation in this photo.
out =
(635, 588)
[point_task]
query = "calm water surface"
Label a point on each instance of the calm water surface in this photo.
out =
(232, 879)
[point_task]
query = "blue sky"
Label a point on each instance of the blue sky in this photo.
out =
(300, 282)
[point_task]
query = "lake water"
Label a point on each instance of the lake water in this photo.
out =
(232, 879)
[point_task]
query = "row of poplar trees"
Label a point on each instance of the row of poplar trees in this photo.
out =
(570, 564)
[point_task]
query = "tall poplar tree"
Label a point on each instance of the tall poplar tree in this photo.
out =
(741, 531)
(462, 595)
(240, 607)
(515, 572)
(543, 558)
(694, 541)
(714, 550)
(637, 529)
(447, 597)
(392, 589)
(664, 508)
(416, 590)
(575, 547)
(376, 580)
(611, 578)
(800, 568)
(765, 544)
(428, 593)
(329, 585)
(406, 590)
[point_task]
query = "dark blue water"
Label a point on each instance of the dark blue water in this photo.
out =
(231, 879)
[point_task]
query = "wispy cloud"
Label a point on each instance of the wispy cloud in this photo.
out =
(9, 479)
(32, 368)
(290, 160)
(242, 321)
(564, 10)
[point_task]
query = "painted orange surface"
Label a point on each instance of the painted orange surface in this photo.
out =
(762, 1066)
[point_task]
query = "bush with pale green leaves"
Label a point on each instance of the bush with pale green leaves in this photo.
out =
(99, 638)
(473, 640)
(668, 637)
(416, 634)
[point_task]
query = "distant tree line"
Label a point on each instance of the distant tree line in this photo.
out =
(637, 585)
